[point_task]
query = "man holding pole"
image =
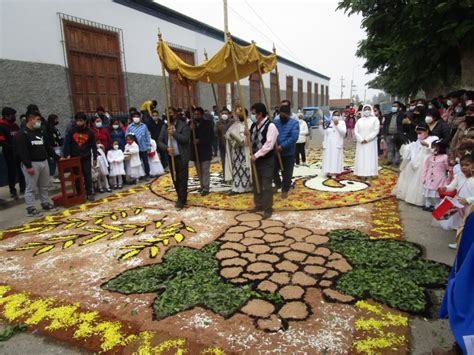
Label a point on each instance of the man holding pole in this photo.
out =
(174, 139)
(203, 141)
(263, 134)
(288, 129)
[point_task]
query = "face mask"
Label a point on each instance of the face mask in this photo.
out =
(336, 118)
(420, 105)
(449, 103)
(225, 117)
(129, 141)
(431, 107)
(136, 120)
(412, 108)
(429, 120)
(421, 136)
(115, 126)
(116, 146)
(156, 118)
(37, 125)
(394, 109)
(253, 118)
(366, 113)
(98, 124)
(458, 109)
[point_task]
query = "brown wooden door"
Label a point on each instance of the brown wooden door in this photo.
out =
(274, 94)
(255, 89)
(309, 94)
(289, 88)
(322, 95)
(316, 94)
(327, 96)
(300, 93)
(95, 68)
(179, 91)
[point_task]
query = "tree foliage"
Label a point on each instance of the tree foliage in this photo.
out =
(413, 45)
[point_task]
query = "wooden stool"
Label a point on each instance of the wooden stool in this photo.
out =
(70, 171)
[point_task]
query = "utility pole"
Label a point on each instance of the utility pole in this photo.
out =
(342, 86)
(352, 88)
(228, 91)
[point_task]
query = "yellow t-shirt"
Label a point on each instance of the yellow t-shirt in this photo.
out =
(146, 106)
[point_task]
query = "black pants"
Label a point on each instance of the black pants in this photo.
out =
(300, 151)
(163, 158)
(181, 180)
(222, 154)
(287, 173)
(144, 159)
(14, 172)
(264, 200)
(87, 174)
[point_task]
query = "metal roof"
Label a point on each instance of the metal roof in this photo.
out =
(162, 12)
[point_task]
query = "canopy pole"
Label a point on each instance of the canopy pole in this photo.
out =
(267, 103)
(277, 75)
(165, 87)
(242, 104)
(193, 131)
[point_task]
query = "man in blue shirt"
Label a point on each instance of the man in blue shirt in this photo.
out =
(142, 135)
(288, 131)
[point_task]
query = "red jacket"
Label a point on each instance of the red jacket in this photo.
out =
(102, 135)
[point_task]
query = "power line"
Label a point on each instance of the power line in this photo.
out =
(261, 18)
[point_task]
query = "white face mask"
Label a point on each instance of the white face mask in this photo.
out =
(458, 109)
(366, 113)
(336, 118)
(449, 103)
(224, 116)
(431, 107)
(115, 126)
(136, 119)
(429, 120)
(116, 147)
(156, 118)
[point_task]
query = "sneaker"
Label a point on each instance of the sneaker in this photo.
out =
(267, 214)
(90, 198)
(33, 212)
(119, 186)
(14, 195)
(56, 180)
(284, 194)
(179, 206)
(204, 193)
(48, 207)
(453, 246)
(101, 190)
(425, 208)
(108, 189)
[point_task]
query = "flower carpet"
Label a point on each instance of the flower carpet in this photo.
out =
(130, 274)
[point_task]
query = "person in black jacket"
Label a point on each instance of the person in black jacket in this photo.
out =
(55, 140)
(203, 141)
(80, 142)
(155, 124)
(174, 140)
(8, 130)
(437, 126)
(393, 132)
(33, 149)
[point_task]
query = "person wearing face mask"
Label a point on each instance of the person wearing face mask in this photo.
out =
(115, 158)
(465, 132)
(221, 128)
(437, 126)
(174, 140)
(80, 142)
(8, 130)
(288, 132)
(140, 131)
(101, 133)
(55, 140)
(301, 142)
(33, 149)
(333, 145)
(155, 125)
(366, 130)
(393, 133)
(409, 187)
(452, 117)
(104, 116)
(117, 134)
(237, 161)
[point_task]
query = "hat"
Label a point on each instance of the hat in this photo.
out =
(440, 143)
(285, 109)
(421, 127)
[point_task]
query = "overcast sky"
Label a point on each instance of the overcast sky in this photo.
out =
(310, 32)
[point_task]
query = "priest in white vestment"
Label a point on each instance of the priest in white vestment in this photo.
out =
(334, 132)
(366, 130)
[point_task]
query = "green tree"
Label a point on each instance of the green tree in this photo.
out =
(413, 45)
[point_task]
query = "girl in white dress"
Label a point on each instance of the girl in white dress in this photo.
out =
(156, 169)
(102, 169)
(409, 187)
(133, 164)
(115, 158)
(334, 132)
(366, 130)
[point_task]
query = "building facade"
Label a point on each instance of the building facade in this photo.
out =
(75, 55)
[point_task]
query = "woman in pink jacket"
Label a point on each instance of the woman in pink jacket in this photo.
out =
(434, 174)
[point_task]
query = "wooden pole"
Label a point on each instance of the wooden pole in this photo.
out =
(267, 103)
(173, 165)
(242, 103)
(193, 131)
(278, 77)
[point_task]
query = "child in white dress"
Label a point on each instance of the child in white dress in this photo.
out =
(133, 164)
(103, 169)
(156, 169)
(115, 158)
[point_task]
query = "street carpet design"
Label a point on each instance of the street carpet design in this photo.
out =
(130, 274)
